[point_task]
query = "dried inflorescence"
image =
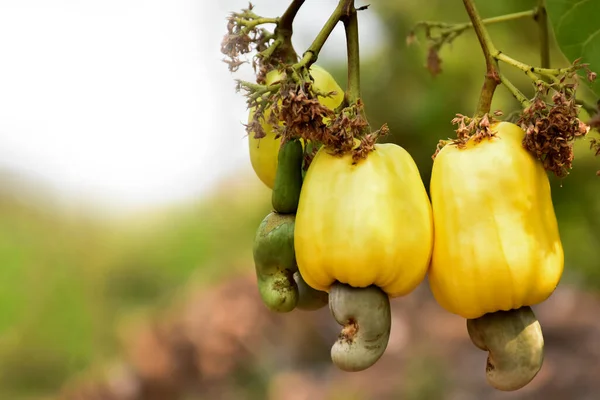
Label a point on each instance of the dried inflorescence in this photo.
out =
(302, 115)
(292, 107)
(551, 129)
(245, 36)
(475, 129)
(297, 106)
(367, 143)
(348, 125)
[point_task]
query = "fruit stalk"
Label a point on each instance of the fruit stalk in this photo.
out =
(492, 75)
(352, 48)
(284, 31)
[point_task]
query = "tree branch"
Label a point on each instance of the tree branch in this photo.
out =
(312, 53)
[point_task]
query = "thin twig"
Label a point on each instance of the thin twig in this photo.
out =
(541, 17)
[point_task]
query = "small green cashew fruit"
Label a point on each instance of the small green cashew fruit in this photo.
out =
(515, 344)
(366, 318)
(288, 177)
(309, 299)
(275, 262)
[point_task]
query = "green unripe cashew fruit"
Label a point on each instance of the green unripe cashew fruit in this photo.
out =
(275, 262)
(366, 318)
(309, 299)
(515, 344)
(288, 177)
(280, 284)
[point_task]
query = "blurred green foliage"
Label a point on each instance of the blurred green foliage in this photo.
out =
(575, 25)
(68, 280)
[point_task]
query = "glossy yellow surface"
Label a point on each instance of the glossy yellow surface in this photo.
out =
(496, 243)
(264, 151)
(364, 224)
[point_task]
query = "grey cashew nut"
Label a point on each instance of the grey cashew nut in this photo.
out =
(515, 343)
(366, 318)
(309, 299)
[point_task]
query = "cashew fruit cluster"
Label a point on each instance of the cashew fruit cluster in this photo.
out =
(349, 233)
(497, 248)
(356, 233)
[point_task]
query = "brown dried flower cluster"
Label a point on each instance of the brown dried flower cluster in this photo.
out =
(347, 125)
(475, 129)
(294, 110)
(244, 36)
(301, 113)
(291, 105)
(303, 116)
(367, 143)
(551, 129)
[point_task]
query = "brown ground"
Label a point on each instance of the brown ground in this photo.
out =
(224, 344)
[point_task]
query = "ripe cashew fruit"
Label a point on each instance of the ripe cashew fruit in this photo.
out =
(515, 344)
(366, 318)
(496, 239)
(364, 223)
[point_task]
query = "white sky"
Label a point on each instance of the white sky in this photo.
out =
(127, 102)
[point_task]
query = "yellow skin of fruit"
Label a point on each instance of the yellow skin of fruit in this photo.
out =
(364, 224)
(264, 151)
(496, 243)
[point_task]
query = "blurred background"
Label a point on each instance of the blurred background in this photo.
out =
(128, 208)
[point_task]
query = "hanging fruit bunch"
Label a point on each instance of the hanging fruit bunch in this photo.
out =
(351, 224)
(497, 248)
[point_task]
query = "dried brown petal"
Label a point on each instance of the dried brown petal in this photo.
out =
(434, 61)
(591, 76)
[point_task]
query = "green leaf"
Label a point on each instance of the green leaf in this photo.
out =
(576, 25)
